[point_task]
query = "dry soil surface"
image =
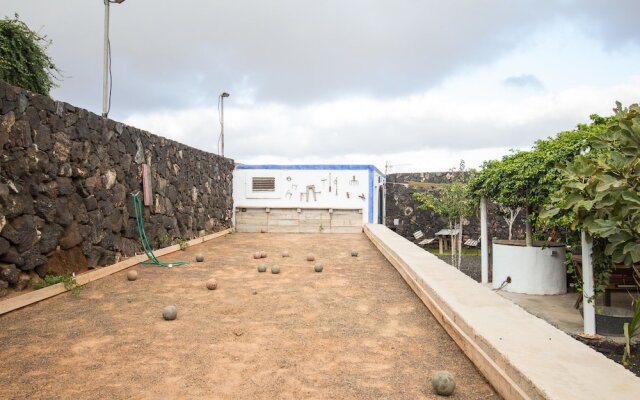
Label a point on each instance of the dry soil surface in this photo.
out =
(353, 331)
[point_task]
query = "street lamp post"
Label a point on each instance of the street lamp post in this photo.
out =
(222, 96)
(106, 58)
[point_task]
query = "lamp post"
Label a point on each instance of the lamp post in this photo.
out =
(106, 58)
(222, 96)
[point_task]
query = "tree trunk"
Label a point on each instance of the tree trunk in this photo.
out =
(453, 252)
(513, 214)
(527, 226)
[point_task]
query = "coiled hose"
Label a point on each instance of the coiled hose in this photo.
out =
(137, 205)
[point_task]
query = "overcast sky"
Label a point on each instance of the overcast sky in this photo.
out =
(418, 83)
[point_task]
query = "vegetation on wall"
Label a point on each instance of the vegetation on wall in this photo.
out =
(453, 204)
(602, 190)
(23, 57)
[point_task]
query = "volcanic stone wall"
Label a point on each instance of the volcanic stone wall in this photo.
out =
(403, 209)
(66, 178)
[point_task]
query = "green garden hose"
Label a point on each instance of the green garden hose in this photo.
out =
(137, 205)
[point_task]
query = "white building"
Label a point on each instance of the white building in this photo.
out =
(307, 198)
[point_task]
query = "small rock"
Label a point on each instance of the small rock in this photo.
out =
(23, 282)
(132, 275)
(35, 279)
(9, 273)
(443, 383)
(169, 313)
(212, 284)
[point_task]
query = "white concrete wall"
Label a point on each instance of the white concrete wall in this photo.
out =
(337, 188)
(533, 270)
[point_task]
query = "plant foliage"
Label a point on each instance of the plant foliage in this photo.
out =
(602, 190)
(527, 179)
(67, 279)
(23, 57)
(452, 203)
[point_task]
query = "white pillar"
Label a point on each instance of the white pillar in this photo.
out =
(588, 308)
(484, 242)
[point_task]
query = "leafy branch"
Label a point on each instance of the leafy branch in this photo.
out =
(23, 57)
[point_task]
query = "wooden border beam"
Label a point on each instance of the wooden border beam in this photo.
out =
(26, 299)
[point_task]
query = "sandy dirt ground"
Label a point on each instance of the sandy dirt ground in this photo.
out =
(354, 331)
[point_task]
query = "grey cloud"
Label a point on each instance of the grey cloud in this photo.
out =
(615, 23)
(524, 81)
(179, 54)
(290, 51)
(392, 137)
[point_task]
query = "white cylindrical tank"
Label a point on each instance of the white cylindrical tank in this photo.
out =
(532, 270)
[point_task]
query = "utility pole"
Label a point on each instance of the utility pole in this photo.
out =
(222, 96)
(106, 59)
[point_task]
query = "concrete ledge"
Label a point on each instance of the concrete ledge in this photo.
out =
(522, 356)
(41, 294)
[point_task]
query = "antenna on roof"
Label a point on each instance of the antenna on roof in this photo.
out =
(388, 166)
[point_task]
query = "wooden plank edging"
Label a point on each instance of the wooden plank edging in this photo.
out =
(26, 299)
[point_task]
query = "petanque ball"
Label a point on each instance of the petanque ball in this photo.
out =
(199, 258)
(212, 284)
(169, 313)
(132, 275)
(275, 269)
(443, 383)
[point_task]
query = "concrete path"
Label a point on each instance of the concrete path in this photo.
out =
(558, 310)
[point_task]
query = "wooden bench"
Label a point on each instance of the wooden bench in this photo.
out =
(621, 280)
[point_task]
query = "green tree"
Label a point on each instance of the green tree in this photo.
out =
(527, 179)
(602, 189)
(452, 203)
(23, 58)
